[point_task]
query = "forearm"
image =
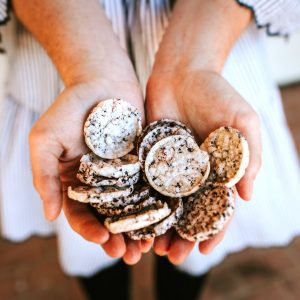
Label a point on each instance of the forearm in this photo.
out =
(77, 36)
(201, 34)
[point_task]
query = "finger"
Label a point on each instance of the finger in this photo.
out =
(146, 245)
(44, 162)
(84, 222)
(179, 249)
(133, 252)
(115, 246)
(207, 246)
(253, 136)
(68, 169)
(162, 243)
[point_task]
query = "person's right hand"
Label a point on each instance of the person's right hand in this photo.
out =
(204, 101)
(56, 145)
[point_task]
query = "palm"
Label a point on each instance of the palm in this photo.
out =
(204, 101)
(57, 145)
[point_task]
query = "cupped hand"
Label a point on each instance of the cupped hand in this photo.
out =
(204, 101)
(56, 145)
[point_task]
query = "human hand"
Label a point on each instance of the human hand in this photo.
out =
(204, 101)
(56, 145)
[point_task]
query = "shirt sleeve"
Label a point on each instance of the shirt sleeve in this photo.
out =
(278, 17)
(4, 11)
(4, 17)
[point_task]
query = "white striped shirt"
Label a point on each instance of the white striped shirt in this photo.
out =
(33, 84)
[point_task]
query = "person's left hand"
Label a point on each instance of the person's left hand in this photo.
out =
(204, 101)
(56, 146)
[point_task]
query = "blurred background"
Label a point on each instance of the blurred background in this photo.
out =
(30, 270)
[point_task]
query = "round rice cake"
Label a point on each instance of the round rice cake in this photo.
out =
(86, 194)
(162, 122)
(141, 192)
(147, 216)
(228, 154)
(161, 227)
(127, 165)
(129, 209)
(156, 131)
(112, 127)
(176, 167)
(97, 181)
(206, 213)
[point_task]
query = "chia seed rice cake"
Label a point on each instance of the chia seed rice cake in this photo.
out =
(228, 154)
(156, 131)
(161, 227)
(147, 216)
(129, 209)
(141, 192)
(127, 165)
(112, 127)
(99, 195)
(206, 213)
(176, 167)
(98, 181)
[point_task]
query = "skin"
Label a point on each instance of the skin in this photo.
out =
(185, 84)
(91, 71)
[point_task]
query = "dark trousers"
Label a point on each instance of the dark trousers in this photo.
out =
(114, 283)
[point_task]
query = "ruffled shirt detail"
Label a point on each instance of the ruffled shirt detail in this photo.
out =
(278, 17)
(4, 17)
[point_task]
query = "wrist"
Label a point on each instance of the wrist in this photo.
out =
(116, 68)
(201, 34)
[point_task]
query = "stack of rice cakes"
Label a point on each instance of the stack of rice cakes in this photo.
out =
(194, 186)
(112, 176)
(203, 177)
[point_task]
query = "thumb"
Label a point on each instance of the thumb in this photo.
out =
(44, 154)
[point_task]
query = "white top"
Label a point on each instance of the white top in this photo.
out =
(270, 219)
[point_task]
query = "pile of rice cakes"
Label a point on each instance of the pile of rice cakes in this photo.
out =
(168, 182)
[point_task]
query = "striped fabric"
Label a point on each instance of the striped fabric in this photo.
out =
(4, 17)
(33, 83)
(279, 17)
(3, 11)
